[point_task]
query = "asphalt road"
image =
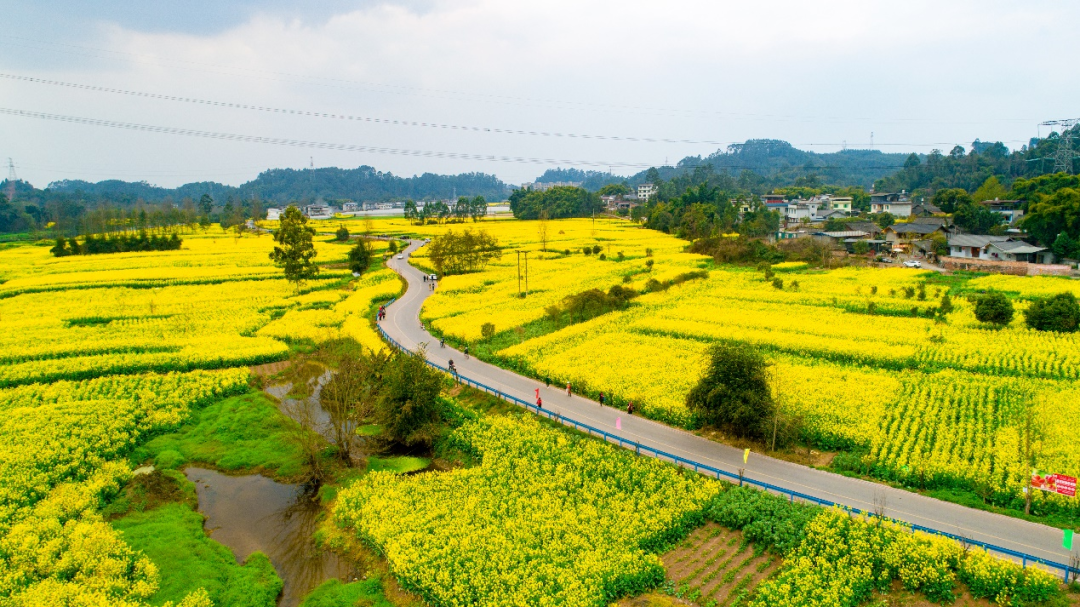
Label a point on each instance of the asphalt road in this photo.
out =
(403, 324)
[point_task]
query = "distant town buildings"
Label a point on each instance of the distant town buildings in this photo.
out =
(274, 214)
(541, 186)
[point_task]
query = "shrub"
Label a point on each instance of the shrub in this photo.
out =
(342, 233)
(596, 249)
(778, 283)
(994, 308)
(734, 393)
(603, 257)
(487, 330)
(587, 250)
(649, 264)
(1059, 313)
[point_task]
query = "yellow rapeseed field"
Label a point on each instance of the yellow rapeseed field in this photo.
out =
(857, 352)
(97, 352)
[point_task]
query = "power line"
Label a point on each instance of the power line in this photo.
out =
(420, 91)
(413, 123)
(345, 147)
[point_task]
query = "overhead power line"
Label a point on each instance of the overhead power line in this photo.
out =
(400, 89)
(407, 123)
(346, 147)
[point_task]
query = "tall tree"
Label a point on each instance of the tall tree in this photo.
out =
(360, 257)
(295, 253)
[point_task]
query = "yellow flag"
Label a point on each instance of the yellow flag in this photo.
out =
(745, 456)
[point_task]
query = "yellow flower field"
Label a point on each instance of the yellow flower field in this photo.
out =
(927, 402)
(97, 352)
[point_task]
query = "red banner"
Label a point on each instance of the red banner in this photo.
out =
(1055, 483)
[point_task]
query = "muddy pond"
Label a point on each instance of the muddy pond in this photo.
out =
(255, 513)
(249, 513)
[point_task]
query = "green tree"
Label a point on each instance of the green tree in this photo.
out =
(991, 189)
(295, 253)
(342, 233)
(1059, 313)
(461, 252)
(734, 393)
(614, 189)
(360, 257)
(408, 407)
(1053, 214)
(206, 205)
(994, 308)
(1064, 246)
(949, 199)
(861, 247)
(350, 397)
(976, 218)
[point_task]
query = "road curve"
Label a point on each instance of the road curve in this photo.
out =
(403, 324)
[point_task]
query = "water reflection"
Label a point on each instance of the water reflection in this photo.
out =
(249, 513)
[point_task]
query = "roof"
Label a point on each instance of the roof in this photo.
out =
(847, 234)
(914, 228)
(974, 240)
(864, 226)
(937, 221)
(1017, 247)
(929, 208)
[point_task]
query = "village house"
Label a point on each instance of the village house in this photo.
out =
(274, 214)
(997, 248)
(897, 205)
(1009, 209)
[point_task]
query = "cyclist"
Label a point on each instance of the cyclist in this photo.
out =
(442, 343)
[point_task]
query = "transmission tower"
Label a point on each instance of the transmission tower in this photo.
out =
(11, 179)
(1064, 155)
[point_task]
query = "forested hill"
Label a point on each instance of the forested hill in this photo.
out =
(774, 164)
(289, 185)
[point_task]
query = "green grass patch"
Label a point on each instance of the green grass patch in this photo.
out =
(245, 432)
(172, 537)
(333, 593)
(400, 464)
(370, 430)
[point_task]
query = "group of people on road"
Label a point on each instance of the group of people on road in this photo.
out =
(630, 408)
(382, 313)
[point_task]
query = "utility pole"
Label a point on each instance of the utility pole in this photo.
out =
(12, 178)
(519, 272)
(1064, 155)
(526, 273)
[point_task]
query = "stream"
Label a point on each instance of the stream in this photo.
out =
(249, 513)
(255, 513)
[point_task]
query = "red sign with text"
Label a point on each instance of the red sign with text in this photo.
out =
(1055, 483)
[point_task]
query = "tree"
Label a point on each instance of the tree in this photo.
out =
(991, 189)
(949, 199)
(478, 208)
(734, 393)
(542, 229)
(614, 189)
(1064, 246)
(467, 251)
(976, 218)
(410, 210)
(994, 308)
(1059, 313)
(342, 233)
(861, 247)
(407, 407)
(296, 253)
(206, 205)
(559, 202)
(1050, 215)
(360, 257)
(350, 397)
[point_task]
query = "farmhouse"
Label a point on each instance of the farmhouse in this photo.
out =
(997, 248)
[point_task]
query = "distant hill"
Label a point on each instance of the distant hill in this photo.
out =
(290, 185)
(778, 162)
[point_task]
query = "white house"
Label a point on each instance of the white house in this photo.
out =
(1009, 209)
(646, 191)
(318, 211)
(896, 205)
(997, 248)
(274, 214)
(350, 207)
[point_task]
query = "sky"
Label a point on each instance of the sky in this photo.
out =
(176, 92)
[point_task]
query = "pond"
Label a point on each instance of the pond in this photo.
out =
(249, 513)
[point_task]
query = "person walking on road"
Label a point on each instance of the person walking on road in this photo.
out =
(601, 399)
(539, 403)
(452, 368)
(568, 393)
(630, 408)
(466, 351)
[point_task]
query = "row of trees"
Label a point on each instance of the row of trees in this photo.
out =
(705, 211)
(555, 203)
(474, 208)
(123, 243)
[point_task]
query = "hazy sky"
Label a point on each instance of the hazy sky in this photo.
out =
(918, 74)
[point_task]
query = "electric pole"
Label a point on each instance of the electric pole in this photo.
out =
(12, 178)
(1064, 155)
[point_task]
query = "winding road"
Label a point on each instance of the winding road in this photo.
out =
(402, 323)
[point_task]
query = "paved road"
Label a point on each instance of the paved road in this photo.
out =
(403, 324)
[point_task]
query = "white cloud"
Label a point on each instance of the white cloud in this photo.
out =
(917, 72)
